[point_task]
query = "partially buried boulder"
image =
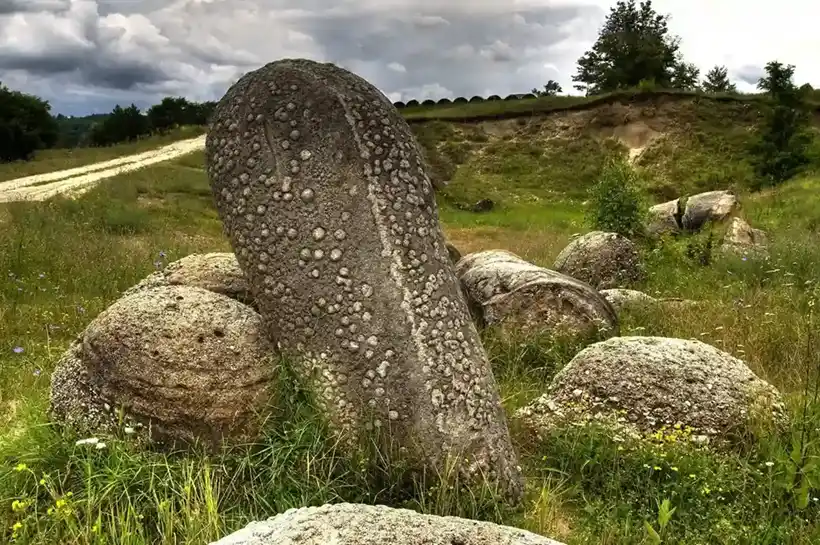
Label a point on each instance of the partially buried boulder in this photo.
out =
(712, 206)
(521, 297)
(602, 260)
(664, 218)
(742, 238)
(218, 272)
(359, 524)
(648, 383)
(624, 298)
(185, 363)
(325, 198)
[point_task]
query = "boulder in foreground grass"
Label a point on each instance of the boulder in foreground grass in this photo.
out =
(218, 272)
(518, 296)
(602, 260)
(183, 362)
(359, 524)
(647, 383)
(324, 195)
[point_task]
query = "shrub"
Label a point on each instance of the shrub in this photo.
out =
(616, 204)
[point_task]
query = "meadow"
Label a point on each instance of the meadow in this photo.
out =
(64, 261)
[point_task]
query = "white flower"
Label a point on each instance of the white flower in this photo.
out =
(89, 441)
(100, 446)
(769, 464)
(129, 431)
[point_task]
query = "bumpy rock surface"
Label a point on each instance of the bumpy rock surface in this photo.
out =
(519, 296)
(742, 238)
(218, 272)
(623, 298)
(664, 218)
(357, 524)
(651, 382)
(324, 196)
(712, 206)
(185, 362)
(602, 260)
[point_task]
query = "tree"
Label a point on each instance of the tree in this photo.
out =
(551, 88)
(26, 125)
(122, 125)
(717, 81)
(685, 76)
(782, 149)
(633, 46)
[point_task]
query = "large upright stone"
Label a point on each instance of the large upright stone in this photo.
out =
(324, 196)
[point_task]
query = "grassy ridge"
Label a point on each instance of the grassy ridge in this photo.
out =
(62, 262)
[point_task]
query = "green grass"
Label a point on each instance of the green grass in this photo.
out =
(52, 160)
(62, 262)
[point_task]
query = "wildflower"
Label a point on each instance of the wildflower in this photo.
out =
(162, 254)
(17, 526)
(81, 310)
(657, 468)
(100, 446)
(673, 468)
(769, 464)
(130, 431)
(37, 372)
(158, 264)
(89, 441)
(42, 275)
(20, 467)
(692, 475)
(744, 258)
(18, 349)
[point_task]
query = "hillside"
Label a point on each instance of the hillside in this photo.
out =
(682, 143)
(64, 261)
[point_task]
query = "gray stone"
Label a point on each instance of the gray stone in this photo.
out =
(189, 364)
(521, 297)
(218, 272)
(712, 206)
(624, 298)
(359, 524)
(664, 218)
(742, 238)
(646, 383)
(325, 199)
(602, 260)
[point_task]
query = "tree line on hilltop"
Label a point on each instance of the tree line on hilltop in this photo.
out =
(634, 50)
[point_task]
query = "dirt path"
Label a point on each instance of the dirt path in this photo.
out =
(75, 181)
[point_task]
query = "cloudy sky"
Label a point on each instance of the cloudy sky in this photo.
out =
(84, 56)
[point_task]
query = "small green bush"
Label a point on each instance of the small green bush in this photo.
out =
(616, 203)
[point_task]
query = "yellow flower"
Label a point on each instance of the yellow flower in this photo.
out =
(17, 526)
(21, 467)
(674, 468)
(657, 468)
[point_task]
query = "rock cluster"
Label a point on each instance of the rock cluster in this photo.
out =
(323, 193)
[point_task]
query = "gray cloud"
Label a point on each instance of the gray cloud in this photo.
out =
(78, 53)
(749, 74)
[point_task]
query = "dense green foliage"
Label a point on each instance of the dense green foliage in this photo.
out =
(616, 202)
(26, 125)
(783, 148)
(633, 46)
(717, 81)
(551, 89)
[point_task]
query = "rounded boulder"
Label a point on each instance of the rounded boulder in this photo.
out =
(218, 272)
(602, 260)
(360, 524)
(651, 383)
(184, 363)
